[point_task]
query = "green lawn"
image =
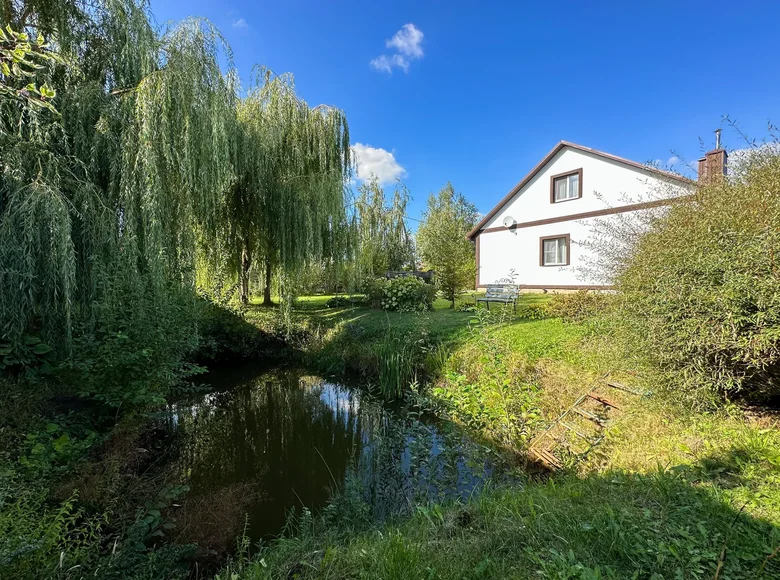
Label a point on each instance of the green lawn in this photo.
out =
(443, 321)
(614, 525)
(669, 494)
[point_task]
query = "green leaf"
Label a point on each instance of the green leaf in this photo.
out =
(42, 348)
(61, 442)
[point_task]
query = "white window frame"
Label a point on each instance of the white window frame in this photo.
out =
(566, 249)
(573, 181)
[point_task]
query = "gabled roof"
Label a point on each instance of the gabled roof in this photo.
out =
(547, 158)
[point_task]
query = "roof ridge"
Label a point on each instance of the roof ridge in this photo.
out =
(547, 158)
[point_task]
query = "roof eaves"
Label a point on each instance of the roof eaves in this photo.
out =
(546, 159)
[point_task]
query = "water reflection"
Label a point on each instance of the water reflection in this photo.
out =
(286, 440)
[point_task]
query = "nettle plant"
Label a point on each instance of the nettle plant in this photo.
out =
(406, 294)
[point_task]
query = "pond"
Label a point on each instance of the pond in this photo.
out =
(267, 442)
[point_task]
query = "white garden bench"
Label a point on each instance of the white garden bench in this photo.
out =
(502, 293)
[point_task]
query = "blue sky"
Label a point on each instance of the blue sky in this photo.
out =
(477, 92)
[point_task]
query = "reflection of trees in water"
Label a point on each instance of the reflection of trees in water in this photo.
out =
(410, 461)
(290, 438)
(285, 439)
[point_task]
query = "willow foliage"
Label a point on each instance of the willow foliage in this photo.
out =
(150, 169)
(287, 205)
(382, 237)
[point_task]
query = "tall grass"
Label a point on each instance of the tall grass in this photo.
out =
(610, 526)
(397, 369)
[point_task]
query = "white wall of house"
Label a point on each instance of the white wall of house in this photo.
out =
(518, 250)
(605, 184)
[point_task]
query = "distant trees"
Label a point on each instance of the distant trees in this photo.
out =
(286, 208)
(381, 238)
(442, 243)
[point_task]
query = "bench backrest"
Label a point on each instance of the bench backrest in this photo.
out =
(502, 291)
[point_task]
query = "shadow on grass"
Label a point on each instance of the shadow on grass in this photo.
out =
(615, 525)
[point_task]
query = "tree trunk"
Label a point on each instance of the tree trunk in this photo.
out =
(246, 263)
(267, 288)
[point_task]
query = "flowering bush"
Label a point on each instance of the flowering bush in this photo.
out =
(407, 294)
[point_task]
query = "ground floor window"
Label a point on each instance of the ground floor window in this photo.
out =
(554, 251)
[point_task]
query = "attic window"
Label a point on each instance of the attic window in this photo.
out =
(566, 186)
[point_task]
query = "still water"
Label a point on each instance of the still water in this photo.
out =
(267, 442)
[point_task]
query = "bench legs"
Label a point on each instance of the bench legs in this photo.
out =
(487, 304)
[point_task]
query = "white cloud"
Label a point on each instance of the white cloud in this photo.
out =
(739, 160)
(673, 160)
(376, 161)
(240, 23)
(407, 43)
(386, 63)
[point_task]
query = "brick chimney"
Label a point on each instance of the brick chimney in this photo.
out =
(713, 165)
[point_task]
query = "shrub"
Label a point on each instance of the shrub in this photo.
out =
(700, 292)
(577, 306)
(225, 334)
(406, 294)
(339, 302)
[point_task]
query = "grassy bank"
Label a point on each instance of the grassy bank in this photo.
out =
(668, 494)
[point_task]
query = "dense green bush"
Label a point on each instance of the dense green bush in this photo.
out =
(407, 294)
(340, 302)
(700, 292)
(225, 334)
(577, 306)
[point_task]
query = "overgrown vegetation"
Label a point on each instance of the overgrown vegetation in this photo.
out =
(698, 294)
(140, 194)
(614, 525)
(136, 189)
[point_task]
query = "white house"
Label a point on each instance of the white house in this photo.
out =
(537, 230)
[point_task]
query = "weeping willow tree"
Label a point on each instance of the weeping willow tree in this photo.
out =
(102, 206)
(382, 239)
(286, 208)
(149, 176)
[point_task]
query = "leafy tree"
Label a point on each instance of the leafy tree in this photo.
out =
(156, 179)
(382, 240)
(286, 206)
(442, 243)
